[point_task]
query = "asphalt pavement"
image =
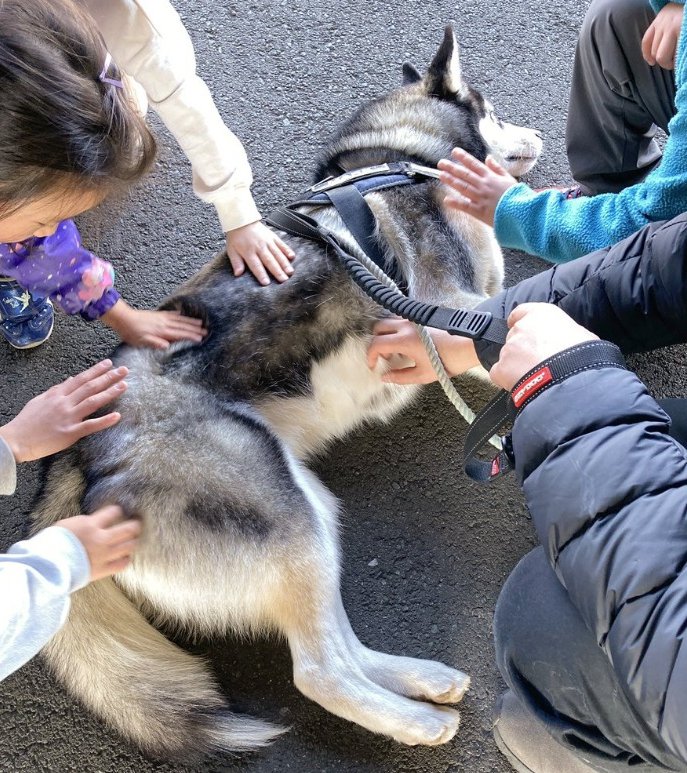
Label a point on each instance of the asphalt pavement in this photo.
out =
(426, 551)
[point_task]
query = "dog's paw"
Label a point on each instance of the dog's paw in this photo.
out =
(426, 680)
(437, 726)
(455, 692)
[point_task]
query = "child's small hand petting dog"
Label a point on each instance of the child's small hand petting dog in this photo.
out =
(478, 187)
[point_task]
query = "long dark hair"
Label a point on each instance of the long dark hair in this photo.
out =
(61, 127)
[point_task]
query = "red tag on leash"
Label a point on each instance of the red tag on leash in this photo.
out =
(533, 384)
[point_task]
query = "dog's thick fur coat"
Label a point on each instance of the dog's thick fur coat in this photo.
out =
(210, 452)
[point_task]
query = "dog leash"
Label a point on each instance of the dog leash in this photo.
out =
(469, 323)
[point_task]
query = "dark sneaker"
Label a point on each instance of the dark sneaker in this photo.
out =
(25, 320)
(525, 743)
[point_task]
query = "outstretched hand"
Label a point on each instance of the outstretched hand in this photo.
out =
(256, 246)
(393, 337)
(477, 187)
(57, 418)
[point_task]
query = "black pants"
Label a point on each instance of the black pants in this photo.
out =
(551, 660)
(616, 99)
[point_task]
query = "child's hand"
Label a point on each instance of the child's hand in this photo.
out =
(478, 187)
(659, 43)
(56, 419)
(108, 539)
(256, 246)
(396, 336)
(156, 329)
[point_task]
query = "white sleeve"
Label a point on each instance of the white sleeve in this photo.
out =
(8, 469)
(36, 578)
(149, 42)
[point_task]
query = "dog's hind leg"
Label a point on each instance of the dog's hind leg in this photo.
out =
(328, 663)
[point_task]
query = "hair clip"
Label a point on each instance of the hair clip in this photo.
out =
(103, 74)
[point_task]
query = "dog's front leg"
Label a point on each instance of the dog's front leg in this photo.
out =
(333, 668)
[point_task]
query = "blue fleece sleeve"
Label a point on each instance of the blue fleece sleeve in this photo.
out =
(658, 4)
(36, 579)
(557, 229)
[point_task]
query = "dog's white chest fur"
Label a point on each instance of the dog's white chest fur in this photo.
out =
(344, 393)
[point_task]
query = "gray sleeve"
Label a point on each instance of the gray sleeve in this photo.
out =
(37, 577)
(8, 469)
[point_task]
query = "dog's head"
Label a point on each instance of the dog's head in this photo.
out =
(516, 148)
(426, 118)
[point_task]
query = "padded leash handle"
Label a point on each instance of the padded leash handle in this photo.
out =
(506, 406)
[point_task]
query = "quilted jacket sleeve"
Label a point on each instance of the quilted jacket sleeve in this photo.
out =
(607, 489)
(634, 293)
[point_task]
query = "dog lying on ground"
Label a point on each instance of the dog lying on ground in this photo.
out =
(212, 447)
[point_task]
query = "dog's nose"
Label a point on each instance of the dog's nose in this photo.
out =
(538, 133)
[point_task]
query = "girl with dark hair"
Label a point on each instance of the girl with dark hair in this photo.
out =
(70, 136)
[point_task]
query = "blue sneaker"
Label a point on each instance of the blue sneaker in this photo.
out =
(25, 321)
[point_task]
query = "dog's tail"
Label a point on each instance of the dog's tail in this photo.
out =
(153, 692)
(159, 696)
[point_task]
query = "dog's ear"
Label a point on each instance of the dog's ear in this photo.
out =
(410, 74)
(444, 79)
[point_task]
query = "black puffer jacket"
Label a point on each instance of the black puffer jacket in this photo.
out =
(605, 483)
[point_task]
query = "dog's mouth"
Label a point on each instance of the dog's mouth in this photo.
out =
(521, 157)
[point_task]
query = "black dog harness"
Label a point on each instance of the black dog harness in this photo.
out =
(347, 194)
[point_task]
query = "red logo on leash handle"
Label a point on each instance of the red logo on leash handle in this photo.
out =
(533, 384)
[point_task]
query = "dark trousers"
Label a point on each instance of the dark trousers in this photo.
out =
(551, 660)
(616, 100)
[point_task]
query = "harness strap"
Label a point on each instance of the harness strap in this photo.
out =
(350, 203)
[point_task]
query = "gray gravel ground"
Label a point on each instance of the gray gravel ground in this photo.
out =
(425, 551)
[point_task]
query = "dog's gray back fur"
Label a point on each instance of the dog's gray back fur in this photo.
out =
(238, 534)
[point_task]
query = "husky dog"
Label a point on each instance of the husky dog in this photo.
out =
(211, 453)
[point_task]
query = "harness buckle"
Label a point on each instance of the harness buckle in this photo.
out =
(408, 168)
(348, 177)
(418, 170)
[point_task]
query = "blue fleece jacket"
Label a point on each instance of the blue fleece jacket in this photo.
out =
(558, 230)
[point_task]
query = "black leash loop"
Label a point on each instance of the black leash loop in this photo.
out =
(505, 407)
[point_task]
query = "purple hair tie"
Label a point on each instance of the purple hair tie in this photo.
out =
(103, 74)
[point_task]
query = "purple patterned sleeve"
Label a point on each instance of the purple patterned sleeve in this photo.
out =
(96, 309)
(58, 267)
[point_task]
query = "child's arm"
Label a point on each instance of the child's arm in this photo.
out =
(150, 43)
(38, 575)
(79, 282)
(557, 229)
(156, 329)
